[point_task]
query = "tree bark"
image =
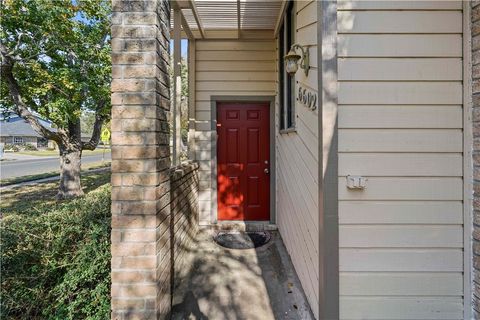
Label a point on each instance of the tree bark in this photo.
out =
(97, 129)
(70, 165)
(20, 107)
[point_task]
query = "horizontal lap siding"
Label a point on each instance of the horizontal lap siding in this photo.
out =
(297, 168)
(400, 120)
(226, 68)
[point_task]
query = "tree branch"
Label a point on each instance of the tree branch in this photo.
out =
(20, 107)
(97, 129)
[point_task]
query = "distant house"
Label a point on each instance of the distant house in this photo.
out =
(16, 131)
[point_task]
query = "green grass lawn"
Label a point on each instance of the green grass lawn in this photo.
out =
(43, 194)
(85, 169)
(52, 153)
(56, 254)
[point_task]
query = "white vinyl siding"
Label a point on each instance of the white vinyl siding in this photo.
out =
(226, 68)
(297, 167)
(400, 121)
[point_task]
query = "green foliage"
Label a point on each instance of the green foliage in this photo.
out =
(62, 53)
(87, 119)
(28, 147)
(184, 77)
(18, 147)
(12, 147)
(56, 255)
(184, 99)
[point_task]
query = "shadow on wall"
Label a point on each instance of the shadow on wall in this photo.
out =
(175, 242)
(184, 216)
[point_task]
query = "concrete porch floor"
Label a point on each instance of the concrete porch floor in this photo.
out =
(218, 283)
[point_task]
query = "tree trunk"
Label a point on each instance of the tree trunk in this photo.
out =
(70, 161)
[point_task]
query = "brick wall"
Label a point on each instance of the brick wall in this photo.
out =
(476, 155)
(140, 160)
(154, 207)
(184, 208)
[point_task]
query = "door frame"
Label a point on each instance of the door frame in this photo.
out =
(214, 100)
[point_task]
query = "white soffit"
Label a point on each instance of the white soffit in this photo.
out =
(225, 14)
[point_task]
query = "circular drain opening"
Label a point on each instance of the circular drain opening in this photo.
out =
(242, 240)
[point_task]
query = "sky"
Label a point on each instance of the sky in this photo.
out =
(184, 47)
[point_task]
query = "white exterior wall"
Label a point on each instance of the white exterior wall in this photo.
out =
(226, 68)
(248, 68)
(400, 124)
(297, 168)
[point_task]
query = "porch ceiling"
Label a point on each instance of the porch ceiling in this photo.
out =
(228, 18)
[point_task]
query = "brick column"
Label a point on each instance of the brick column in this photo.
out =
(475, 29)
(140, 160)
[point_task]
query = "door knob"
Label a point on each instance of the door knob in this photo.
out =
(266, 170)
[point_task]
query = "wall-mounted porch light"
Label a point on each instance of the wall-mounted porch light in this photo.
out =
(292, 60)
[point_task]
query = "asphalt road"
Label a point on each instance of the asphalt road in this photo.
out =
(19, 168)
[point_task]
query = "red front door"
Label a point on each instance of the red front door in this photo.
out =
(243, 161)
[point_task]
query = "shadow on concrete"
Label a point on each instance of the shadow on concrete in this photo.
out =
(188, 308)
(220, 283)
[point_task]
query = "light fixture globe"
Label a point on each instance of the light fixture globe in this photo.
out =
(294, 60)
(291, 62)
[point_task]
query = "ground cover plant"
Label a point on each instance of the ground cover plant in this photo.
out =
(56, 254)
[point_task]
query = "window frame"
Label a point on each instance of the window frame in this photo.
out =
(287, 83)
(15, 142)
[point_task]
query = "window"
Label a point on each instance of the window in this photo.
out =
(17, 140)
(286, 93)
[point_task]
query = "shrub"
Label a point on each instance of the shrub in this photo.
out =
(11, 147)
(28, 147)
(56, 259)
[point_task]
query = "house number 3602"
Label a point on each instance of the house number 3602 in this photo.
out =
(307, 98)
